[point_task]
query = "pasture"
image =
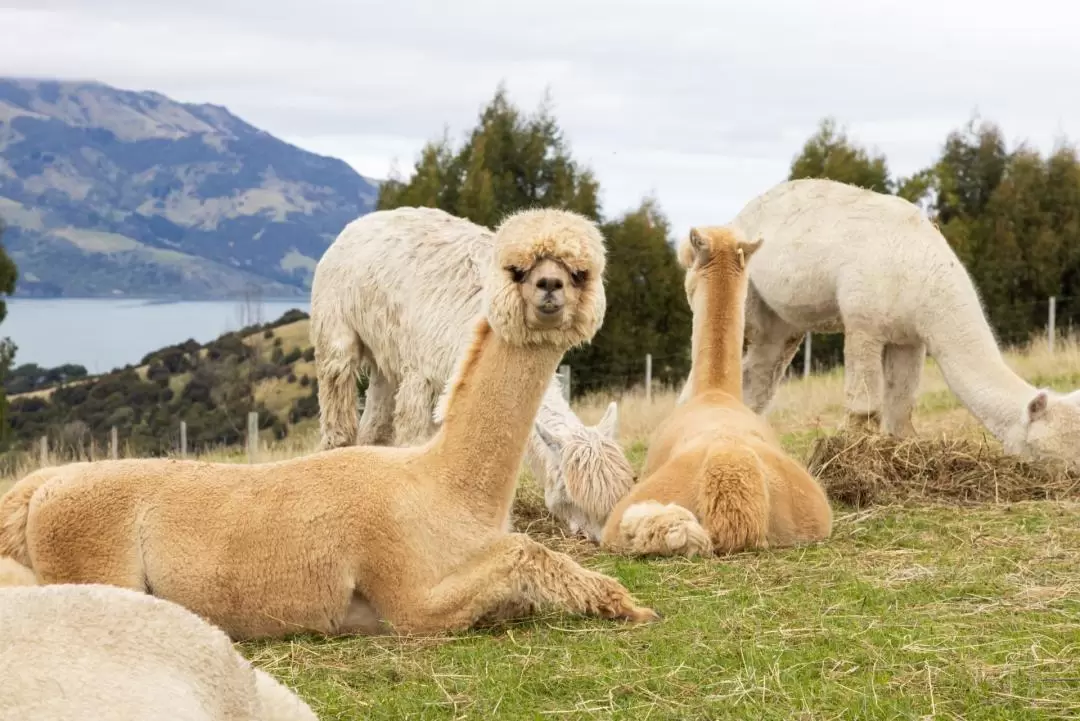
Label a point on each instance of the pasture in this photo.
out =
(918, 609)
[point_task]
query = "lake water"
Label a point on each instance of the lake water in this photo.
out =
(103, 334)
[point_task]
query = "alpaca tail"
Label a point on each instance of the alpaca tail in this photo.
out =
(734, 499)
(13, 573)
(14, 511)
(654, 528)
(278, 703)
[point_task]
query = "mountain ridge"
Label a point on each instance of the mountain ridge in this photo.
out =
(108, 192)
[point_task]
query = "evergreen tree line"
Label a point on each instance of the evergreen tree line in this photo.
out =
(1012, 216)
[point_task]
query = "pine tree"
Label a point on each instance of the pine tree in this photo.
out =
(829, 153)
(8, 276)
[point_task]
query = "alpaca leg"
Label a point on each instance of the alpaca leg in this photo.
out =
(733, 499)
(414, 407)
(515, 576)
(863, 379)
(337, 365)
(903, 370)
(376, 425)
(771, 343)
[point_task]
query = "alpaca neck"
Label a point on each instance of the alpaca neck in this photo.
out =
(489, 417)
(717, 338)
(976, 372)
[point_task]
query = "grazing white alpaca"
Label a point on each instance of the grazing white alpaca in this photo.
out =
(74, 652)
(355, 540)
(397, 295)
(840, 258)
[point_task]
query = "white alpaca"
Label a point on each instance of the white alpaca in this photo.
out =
(840, 258)
(100, 652)
(397, 295)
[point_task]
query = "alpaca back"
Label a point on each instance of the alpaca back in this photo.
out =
(408, 283)
(833, 247)
(107, 653)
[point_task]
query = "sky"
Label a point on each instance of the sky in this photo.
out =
(702, 104)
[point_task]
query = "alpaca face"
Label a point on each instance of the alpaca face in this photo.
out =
(1051, 426)
(587, 472)
(545, 286)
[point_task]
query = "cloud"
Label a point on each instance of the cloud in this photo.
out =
(703, 103)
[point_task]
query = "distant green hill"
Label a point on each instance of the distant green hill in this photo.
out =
(107, 192)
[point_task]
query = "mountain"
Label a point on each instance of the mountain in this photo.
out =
(107, 192)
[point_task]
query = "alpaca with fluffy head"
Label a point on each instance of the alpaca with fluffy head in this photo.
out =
(111, 654)
(716, 478)
(361, 539)
(395, 296)
(845, 259)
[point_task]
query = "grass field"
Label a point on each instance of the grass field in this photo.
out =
(908, 612)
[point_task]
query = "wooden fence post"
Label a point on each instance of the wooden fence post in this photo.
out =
(252, 436)
(183, 439)
(806, 356)
(648, 377)
(1051, 325)
(44, 451)
(114, 444)
(564, 371)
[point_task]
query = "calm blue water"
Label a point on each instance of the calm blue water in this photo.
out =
(103, 334)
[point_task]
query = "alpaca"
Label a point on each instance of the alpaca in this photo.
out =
(361, 539)
(396, 294)
(100, 652)
(841, 258)
(716, 478)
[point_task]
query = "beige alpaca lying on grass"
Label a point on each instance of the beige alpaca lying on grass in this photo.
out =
(716, 478)
(841, 258)
(396, 295)
(82, 652)
(357, 539)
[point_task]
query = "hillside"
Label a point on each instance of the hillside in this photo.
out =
(266, 368)
(108, 192)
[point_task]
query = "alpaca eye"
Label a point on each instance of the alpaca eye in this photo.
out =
(517, 274)
(579, 277)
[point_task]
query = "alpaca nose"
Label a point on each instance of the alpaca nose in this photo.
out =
(549, 284)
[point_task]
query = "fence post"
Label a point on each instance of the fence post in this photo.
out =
(648, 377)
(564, 371)
(806, 356)
(252, 435)
(44, 451)
(1051, 325)
(114, 444)
(183, 439)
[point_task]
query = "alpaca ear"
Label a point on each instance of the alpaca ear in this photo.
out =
(748, 247)
(699, 246)
(549, 440)
(1036, 407)
(609, 424)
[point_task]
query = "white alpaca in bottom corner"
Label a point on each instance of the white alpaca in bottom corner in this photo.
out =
(397, 295)
(89, 651)
(841, 258)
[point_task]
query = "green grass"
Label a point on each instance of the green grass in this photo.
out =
(904, 613)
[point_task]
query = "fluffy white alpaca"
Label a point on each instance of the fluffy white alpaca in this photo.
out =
(840, 258)
(397, 295)
(73, 652)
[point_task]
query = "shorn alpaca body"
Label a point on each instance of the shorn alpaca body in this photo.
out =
(357, 539)
(72, 652)
(396, 295)
(841, 258)
(716, 478)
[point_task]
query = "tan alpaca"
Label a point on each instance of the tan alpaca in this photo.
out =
(356, 539)
(716, 478)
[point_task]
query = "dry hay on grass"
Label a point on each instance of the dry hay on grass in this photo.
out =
(863, 469)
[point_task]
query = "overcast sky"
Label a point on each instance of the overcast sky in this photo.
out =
(701, 103)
